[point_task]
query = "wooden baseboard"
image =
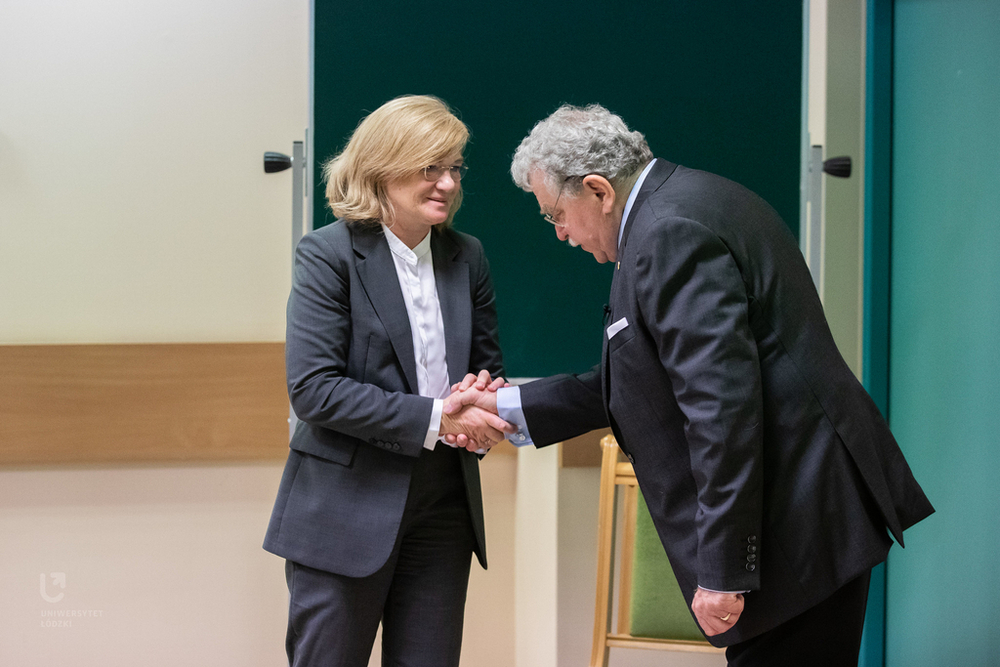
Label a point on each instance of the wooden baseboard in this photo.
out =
(142, 403)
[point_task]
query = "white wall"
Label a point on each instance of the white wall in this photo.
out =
(163, 567)
(134, 208)
(133, 203)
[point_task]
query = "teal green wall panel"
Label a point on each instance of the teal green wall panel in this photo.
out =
(945, 318)
(877, 198)
(715, 86)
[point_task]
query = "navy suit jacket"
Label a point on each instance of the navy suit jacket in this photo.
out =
(765, 464)
(352, 382)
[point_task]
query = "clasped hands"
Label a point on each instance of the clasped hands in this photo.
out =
(469, 419)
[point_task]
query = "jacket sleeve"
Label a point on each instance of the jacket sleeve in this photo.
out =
(693, 300)
(318, 337)
(561, 407)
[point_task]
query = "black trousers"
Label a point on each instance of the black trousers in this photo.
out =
(418, 595)
(827, 635)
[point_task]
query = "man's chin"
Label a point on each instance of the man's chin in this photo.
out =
(600, 257)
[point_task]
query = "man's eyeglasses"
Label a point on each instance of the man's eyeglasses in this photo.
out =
(548, 216)
(434, 172)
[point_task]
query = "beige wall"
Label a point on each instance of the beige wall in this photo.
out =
(163, 567)
(133, 203)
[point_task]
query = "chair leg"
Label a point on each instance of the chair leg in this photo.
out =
(631, 494)
(605, 558)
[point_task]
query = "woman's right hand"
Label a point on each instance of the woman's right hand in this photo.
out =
(473, 428)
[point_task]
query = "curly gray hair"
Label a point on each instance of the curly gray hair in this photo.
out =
(576, 141)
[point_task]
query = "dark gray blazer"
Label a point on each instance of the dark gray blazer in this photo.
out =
(765, 464)
(352, 381)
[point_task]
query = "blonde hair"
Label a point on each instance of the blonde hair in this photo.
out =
(395, 141)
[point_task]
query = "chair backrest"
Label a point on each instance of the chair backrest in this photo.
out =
(652, 613)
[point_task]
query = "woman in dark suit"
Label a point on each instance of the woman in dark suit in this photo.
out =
(376, 517)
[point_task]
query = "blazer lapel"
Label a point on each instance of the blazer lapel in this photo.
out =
(660, 172)
(378, 276)
(452, 278)
(656, 177)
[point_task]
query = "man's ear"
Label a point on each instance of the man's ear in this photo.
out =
(600, 187)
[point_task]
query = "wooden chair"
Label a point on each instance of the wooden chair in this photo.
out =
(615, 473)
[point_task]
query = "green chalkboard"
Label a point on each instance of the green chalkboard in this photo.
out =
(713, 85)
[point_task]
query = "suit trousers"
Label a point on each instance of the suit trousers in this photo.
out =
(826, 635)
(418, 595)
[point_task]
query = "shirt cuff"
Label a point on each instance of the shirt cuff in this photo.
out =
(434, 427)
(509, 410)
(723, 592)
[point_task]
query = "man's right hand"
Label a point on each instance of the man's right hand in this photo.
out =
(473, 428)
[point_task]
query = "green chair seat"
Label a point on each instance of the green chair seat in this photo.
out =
(657, 606)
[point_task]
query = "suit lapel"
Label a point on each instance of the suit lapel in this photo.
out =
(452, 278)
(378, 276)
(656, 177)
(660, 172)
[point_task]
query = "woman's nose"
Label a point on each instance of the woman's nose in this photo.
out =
(446, 182)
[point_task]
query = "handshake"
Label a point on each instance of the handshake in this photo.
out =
(469, 419)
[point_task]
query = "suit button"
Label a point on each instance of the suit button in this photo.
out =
(751, 549)
(751, 567)
(752, 539)
(751, 558)
(395, 446)
(631, 459)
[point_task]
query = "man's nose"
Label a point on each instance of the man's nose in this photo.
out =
(561, 233)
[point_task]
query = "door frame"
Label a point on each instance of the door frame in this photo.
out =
(877, 254)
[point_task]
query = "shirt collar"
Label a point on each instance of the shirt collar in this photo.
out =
(401, 250)
(631, 199)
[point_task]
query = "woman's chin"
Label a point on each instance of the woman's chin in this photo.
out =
(436, 217)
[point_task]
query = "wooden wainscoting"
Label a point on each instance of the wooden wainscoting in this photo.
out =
(142, 403)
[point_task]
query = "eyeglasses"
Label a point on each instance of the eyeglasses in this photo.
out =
(434, 172)
(548, 216)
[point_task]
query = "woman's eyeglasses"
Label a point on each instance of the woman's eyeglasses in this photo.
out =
(434, 172)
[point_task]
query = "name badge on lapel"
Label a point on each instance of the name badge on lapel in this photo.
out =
(616, 327)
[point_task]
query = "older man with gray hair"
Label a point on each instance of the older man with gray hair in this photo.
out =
(771, 477)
